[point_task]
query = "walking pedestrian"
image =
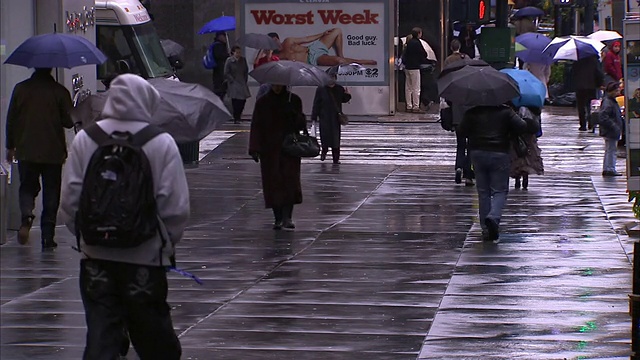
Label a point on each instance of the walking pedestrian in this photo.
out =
(467, 38)
(37, 116)
(456, 55)
(531, 163)
(414, 56)
(236, 73)
(489, 129)
(612, 63)
(611, 124)
(587, 77)
(327, 104)
(124, 285)
(276, 114)
(220, 55)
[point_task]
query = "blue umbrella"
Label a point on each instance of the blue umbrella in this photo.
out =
(532, 90)
(535, 44)
(529, 11)
(56, 50)
(222, 23)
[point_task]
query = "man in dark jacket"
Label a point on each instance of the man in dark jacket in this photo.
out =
(220, 54)
(414, 56)
(587, 77)
(611, 126)
(490, 129)
(37, 115)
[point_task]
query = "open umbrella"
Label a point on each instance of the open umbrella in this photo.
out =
(573, 48)
(529, 11)
(477, 86)
(171, 48)
(188, 112)
(290, 73)
(258, 41)
(56, 50)
(345, 69)
(532, 90)
(222, 23)
(454, 66)
(534, 45)
(605, 35)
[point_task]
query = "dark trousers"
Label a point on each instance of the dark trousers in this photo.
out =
(30, 174)
(335, 153)
(583, 103)
(238, 107)
(281, 213)
(463, 160)
(119, 296)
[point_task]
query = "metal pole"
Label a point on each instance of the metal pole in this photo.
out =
(634, 304)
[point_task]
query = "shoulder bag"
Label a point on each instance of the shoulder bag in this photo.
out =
(301, 145)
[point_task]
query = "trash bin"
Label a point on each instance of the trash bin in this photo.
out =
(190, 153)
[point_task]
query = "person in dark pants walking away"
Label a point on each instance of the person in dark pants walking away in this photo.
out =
(489, 129)
(37, 116)
(413, 57)
(587, 77)
(327, 104)
(531, 163)
(611, 125)
(220, 54)
(124, 285)
(275, 115)
(236, 73)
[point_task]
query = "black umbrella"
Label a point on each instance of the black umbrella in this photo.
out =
(478, 86)
(460, 64)
(290, 73)
(171, 48)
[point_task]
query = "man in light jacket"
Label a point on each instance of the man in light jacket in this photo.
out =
(127, 287)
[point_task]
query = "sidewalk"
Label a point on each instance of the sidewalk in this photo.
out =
(385, 262)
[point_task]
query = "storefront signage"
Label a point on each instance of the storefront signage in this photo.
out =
(81, 21)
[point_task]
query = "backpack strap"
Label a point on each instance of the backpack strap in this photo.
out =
(96, 134)
(145, 135)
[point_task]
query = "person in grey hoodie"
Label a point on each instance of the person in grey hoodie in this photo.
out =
(127, 288)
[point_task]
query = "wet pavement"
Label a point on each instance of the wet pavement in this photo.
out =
(385, 263)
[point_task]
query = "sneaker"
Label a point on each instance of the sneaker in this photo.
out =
(469, 182)
(277, 225)
(611, 173)
(23, 232)
(49, 244)
(458, 175)
(493, 229)
(288, 224)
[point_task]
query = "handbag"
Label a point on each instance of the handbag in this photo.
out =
(520, 146)
(301, 145)
(343, 119)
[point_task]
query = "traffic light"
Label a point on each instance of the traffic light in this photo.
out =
(470, 11)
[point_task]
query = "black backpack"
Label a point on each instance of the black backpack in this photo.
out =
(117, 203)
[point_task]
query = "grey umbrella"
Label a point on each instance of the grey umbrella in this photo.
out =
(290, 73)
(258, 41)
(189, 112)
(171, 48)
(477, 86)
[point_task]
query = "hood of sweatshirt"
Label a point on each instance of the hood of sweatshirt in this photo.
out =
(130, 98)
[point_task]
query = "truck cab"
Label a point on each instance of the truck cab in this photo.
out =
(126, 35)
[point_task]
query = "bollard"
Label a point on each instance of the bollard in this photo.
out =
(634, 304)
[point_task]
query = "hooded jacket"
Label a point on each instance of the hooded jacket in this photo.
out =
(128, 108)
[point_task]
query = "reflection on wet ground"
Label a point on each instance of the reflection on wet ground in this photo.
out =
(385, 263)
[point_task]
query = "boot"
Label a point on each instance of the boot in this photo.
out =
(335, 153)
(525, 182)
(323, 154)
(49, 244)
(287, 216)
(517, 182)
(277, 214)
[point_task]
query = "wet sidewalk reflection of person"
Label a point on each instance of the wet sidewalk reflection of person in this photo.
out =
(314, 49)
(327, 103)
(276, 114)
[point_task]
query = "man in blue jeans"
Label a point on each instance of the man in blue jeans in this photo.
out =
(490, 130)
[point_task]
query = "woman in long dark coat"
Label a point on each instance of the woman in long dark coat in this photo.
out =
(326, 106)
(276, 114)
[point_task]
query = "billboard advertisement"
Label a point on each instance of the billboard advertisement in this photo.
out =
(325, 33)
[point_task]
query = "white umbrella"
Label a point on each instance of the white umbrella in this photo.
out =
(605, 35)
(431, 55)
(573, 48)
